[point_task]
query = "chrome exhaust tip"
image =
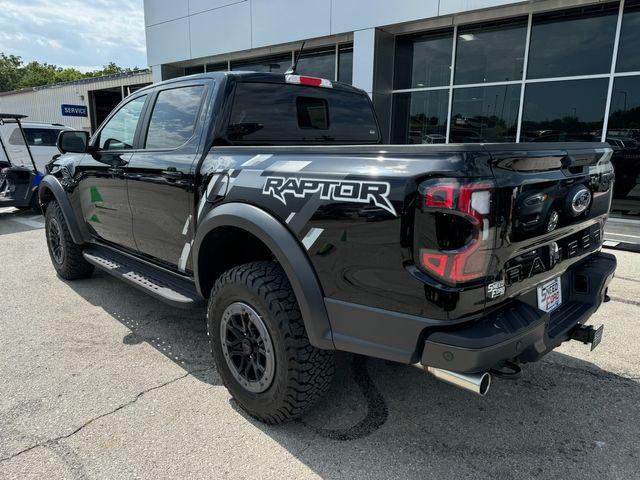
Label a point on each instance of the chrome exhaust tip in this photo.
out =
(478, 383)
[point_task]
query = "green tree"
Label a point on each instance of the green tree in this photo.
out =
(109, 69)
(35, 74)
(10, 72)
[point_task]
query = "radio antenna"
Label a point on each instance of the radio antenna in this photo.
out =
(293, 69)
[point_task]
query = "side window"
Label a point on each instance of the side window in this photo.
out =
(174, 117)
(119, 132)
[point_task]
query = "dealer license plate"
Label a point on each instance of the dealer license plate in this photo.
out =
(550, 295)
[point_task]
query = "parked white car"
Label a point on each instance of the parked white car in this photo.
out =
(41, 138)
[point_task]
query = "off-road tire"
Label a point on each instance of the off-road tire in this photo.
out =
(70, 265)
(302, 372)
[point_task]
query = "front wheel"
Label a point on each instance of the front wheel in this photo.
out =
(260, 345)
(66, 255)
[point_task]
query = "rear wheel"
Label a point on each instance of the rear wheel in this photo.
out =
(66, 255)
(260, 345)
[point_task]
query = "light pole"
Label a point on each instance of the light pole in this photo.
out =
(625, 98)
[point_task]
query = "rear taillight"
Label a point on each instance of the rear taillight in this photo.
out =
(453, 229)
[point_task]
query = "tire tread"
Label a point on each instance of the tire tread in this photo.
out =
(310, 370)
(75, 266)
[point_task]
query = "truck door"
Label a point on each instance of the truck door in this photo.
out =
(102, 185)
(161, 177)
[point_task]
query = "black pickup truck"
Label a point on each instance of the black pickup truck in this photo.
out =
(272, 199)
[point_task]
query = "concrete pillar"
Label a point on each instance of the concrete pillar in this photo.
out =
(364, 48)
(373, 52)
(156, 73)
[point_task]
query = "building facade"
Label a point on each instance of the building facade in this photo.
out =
(81, 105)
(438, 71)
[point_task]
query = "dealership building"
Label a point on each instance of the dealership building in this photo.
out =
(437, 70)
(82, 104)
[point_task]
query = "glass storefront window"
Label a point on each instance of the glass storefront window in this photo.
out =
(217, 67)
(624, 137)
(574, 42)
(194, 70)
(564, 111)
(624, 117)
(318, 63)
(345, 64)
(485, 114)
(423, 61)
(275, 64)
(491, 53)
(629, 50)
(420, 117)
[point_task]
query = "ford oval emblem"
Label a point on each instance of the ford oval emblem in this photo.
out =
(581, 201)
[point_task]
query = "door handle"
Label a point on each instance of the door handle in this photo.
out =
(172, 174)
(116, 171)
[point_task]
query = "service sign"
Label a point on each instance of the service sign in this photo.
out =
(74, 111)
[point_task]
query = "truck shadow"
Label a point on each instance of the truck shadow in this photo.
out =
(563, 418)
(180, 335)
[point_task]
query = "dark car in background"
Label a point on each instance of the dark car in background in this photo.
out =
(626, 164)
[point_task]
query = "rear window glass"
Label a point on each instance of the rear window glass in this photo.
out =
(276, 114)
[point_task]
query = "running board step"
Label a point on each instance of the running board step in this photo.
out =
(162, 285)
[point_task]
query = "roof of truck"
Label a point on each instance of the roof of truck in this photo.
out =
(245, 76)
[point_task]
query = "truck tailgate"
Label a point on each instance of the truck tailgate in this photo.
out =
(551, 203)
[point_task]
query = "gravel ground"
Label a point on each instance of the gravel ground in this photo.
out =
(101, 381)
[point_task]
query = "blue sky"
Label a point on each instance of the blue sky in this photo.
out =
(85, 34)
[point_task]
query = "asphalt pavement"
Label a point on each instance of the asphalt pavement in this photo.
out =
(100, 381)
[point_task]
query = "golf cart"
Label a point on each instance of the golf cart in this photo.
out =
(18, 183)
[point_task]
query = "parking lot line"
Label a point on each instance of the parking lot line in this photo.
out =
(622, 235)
(29, 222)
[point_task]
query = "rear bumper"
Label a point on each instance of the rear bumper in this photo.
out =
(519, 331)
(516, 331)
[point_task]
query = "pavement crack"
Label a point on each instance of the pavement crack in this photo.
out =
(602, 374)
(628, 279)
(625, 301)
(55, 440)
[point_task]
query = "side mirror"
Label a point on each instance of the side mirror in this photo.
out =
(73, 141)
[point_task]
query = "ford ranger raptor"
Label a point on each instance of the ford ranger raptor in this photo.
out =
(271, 200)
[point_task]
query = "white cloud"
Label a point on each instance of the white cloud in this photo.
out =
(74, 32)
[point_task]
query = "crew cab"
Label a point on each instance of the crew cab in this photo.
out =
(271, 199)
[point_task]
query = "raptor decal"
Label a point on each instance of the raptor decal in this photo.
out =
(338, 190)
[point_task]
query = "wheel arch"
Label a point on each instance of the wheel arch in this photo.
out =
(282, 245)
(51, 189)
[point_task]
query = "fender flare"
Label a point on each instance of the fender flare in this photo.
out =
(52, 184)
(288, 252)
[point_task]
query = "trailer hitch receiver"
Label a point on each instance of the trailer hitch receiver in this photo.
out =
(587, 334)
